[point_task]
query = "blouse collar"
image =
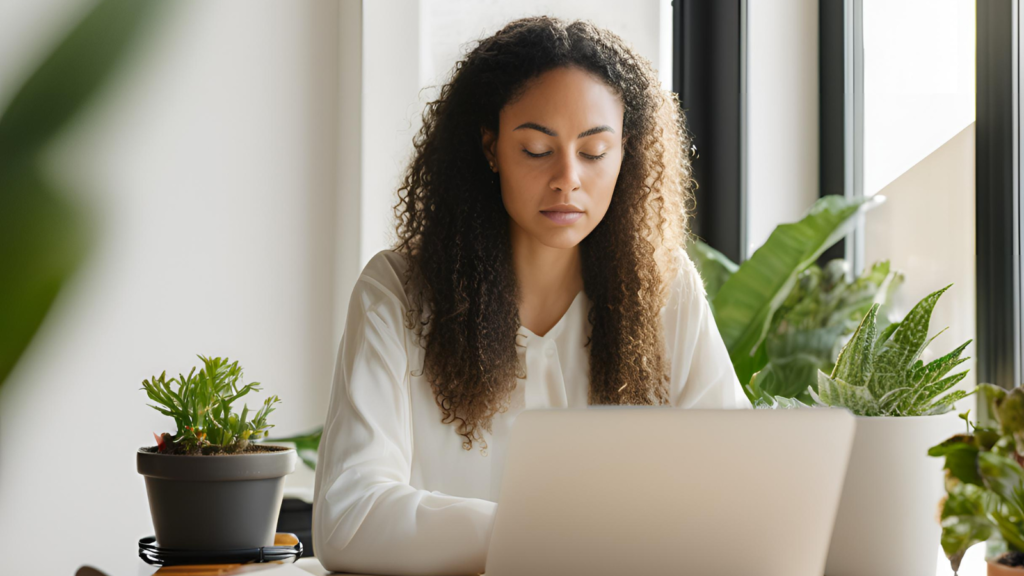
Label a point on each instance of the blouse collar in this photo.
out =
(555, 330)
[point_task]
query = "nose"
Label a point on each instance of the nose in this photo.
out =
(566, 177)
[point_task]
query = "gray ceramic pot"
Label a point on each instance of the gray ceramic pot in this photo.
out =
(215, 502)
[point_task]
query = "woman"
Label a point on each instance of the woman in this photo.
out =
(538, 265)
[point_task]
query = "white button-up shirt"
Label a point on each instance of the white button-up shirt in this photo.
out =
(396, 493)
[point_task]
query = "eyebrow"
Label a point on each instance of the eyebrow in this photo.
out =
(550, 132)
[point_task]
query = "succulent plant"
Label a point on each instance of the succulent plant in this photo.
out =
(881, 374)
(201, 407)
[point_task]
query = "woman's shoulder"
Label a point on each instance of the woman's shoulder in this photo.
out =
(383, 277)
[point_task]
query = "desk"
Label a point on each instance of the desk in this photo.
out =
(304, 567)
(973, 565)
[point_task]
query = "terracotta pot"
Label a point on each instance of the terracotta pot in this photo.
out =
(996, 569)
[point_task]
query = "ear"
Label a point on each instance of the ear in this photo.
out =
(489, 143)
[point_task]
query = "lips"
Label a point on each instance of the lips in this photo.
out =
(562, 217)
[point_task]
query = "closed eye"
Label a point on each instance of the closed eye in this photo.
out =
(532, 155)
(548, 153)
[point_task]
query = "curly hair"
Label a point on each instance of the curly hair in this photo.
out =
(454, 230)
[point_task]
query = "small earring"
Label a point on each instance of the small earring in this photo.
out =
(491, 164)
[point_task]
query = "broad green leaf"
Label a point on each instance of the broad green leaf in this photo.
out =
(42, 242)
(795, 357)
(747, 301)
(714, 267)
(961, 454)
(1005, 477)
(68, 79)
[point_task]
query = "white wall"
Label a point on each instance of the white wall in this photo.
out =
(919, 152)
(209, 169)
(782, 114)
(239, 174)
(918, 82)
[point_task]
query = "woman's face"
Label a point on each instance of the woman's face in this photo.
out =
(558, 152)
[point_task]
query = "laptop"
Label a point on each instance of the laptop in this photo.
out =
(645, 490)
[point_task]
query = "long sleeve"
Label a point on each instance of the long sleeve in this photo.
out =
(367, 517)
(702, 374)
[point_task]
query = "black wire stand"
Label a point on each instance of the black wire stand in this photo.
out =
(157, 556)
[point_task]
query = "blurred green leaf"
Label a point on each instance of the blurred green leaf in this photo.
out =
(43, 238)
(306, 445)
(715, 267)
(42, 242)
(69, 78)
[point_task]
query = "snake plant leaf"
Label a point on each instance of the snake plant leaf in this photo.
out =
(855, 361)
(715, 267)
(746, 302)
(925, 393)
(834, 392)
(895, 360)
(939, 367)
(945, 404)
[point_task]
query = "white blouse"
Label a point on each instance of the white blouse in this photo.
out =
(395, 491)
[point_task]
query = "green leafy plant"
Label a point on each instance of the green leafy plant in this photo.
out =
(808, 329)
(984, 477)
(779, 313)
(201, 407)
(881, 374)
(42, 231)
(306, 445)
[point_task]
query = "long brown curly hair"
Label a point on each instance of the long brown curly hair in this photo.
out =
(454, 230)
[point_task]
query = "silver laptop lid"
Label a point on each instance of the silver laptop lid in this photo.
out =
(643, 490)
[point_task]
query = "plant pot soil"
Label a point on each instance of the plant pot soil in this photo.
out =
(1008, 564)
(217, 501)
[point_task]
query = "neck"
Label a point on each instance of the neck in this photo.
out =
(549, 280)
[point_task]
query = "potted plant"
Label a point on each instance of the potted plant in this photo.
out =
(210, 486)
(781, 315)
(985, 483)
(885, 523)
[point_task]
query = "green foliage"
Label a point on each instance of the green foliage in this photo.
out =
(43, 236)
(748, 300)
(807, 330)
(306, 445)
(201, 407)
(880, 373)
(984, 478)
(715, 267)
